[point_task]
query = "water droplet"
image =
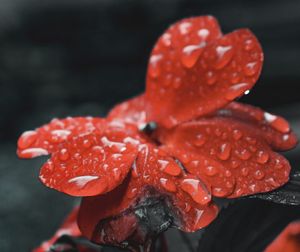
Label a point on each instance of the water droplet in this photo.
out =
(166, 39)
(237, 134)
(86, 143)
(184, 28)
(154, 68)
(249, 45)
(82, 181)
(251, 68)
(253, 188)
(211, 78)
(259, 175)
(190, 54)
(169, 168)
(262, 157)
(210, 170)
(218, 132)
(203, 33)
(33, 152)
(132, 193)
(278, 164)
(197, 190)
(219, 192)
(27, 139)
(224, 152)
(224, 54)
(235, 78)
(177, 83)
(276, 122)
(168, 185)
(272, 182)
(235, 164)
(243, 154)
(200, 140)
(245, 171)
(228, 173)
(63, 154)
(237, 90)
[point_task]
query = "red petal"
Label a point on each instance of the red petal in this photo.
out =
(131, 111)
(275, 129)
(45, 139)
(194, 71)
(90, 164)
(69, 227)
(288, 240)
(190, 198)
(228, 155)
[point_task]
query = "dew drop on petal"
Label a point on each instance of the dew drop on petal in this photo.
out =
(197, 190)
(251, 68)
(33, 152)
(237, 134)
(224, 56)
(27, 139)
(154, 67)
(63, 154)
(168, 185)
(262, 157)
(236, 90)
(224, 152)
(200, 140)
(259, 175)
(278, 123)
(211, 78)
(190, 54)
(210, 170)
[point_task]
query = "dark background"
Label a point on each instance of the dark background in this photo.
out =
(80, 57)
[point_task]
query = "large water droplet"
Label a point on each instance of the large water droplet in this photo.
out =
(224, 152)
(169, 168)
(190, 54)
(197, 190)
(224, 56)
(166, 39)
(203, 33)
(27, 139)
(168, 185)
(184, 28)
(219, 192)
(276, 122)
(249, 45)
(33, 152)
(132, 193)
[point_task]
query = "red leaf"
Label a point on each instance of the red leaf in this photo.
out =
(45, 140)
(275, 129)
(90, 164)
(228, 155)
(69, 227)
(130, 111)
(194, 71)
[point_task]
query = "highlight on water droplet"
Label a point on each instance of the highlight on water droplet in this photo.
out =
(154, 68)
(190, 54)
(225, 150)
(168, 184)
(27, 139)
(224, 56)
(237, 90)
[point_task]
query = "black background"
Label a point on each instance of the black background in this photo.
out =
(80, 57)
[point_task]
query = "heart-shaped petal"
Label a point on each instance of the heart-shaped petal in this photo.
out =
(194, 70)
(228, 155)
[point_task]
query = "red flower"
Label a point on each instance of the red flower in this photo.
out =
(205, 144)
(288, 240)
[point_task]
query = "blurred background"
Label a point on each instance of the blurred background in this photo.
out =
(79, 57)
